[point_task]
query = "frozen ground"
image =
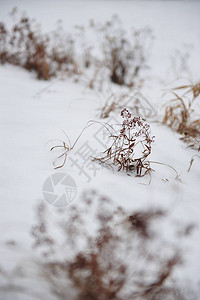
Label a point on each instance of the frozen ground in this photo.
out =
(34, 112)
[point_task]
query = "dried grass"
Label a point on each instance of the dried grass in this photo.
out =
(180, 114)
(135, 102)
(124, 54)
(46, 54)
(120, 59)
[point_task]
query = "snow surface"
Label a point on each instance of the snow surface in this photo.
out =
(34, 112)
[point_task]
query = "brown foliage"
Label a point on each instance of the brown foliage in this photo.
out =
(124, 53)
(179, 115)
(130, 147)
(121, 257)
(106, 266)
(24, 45)
(121, 58)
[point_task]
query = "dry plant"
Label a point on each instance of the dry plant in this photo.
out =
(46, 54)
(129, 150)
(123, 258)
(123, 54)
(180, 66)
(119, 56)
(130, 147)
(180, 114)
(136, 103)
(112, 104)
(87, 59)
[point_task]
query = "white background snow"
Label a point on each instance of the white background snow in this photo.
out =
(29, 119)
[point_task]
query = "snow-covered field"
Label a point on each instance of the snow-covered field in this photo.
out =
(34, 112)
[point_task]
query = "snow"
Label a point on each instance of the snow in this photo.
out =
(34, 112)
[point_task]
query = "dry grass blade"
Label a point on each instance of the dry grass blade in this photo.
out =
(67, 147)
(191, 161)
(195, 88)
(180, 114)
